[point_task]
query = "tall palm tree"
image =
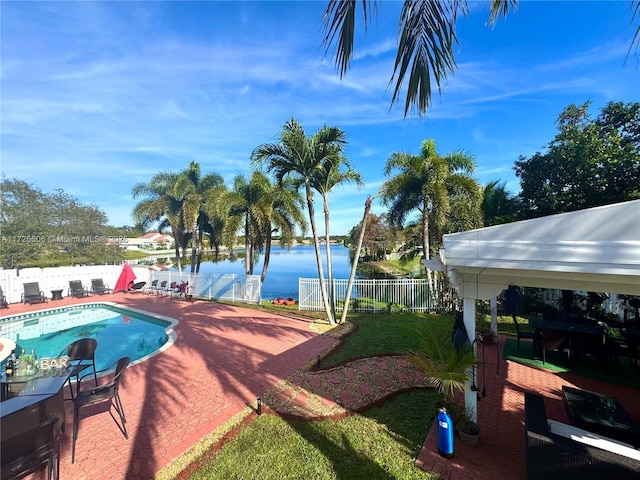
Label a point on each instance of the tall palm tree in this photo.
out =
(160, 205)
(190, 188)
(356, 257)
(426, 43)
(427, 183)
(247, 203)
(216, 209)
(332, 173)
(300, 157)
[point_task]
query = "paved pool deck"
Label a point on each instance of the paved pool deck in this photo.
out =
(223, 359)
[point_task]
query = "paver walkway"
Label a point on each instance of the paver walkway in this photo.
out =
(346, 389)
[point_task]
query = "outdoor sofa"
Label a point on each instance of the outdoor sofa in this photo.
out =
(555, 450)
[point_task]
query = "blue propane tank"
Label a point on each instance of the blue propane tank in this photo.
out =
(445, 434)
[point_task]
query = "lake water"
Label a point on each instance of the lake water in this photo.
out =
(285, 267)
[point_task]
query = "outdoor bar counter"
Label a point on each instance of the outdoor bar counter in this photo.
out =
(35, 397)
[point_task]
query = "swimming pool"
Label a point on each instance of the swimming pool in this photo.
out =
(120, 332)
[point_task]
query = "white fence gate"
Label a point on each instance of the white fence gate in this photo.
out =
(214, 286)
(370, 295)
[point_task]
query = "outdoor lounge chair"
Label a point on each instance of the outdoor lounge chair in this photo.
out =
(32, 293)
(98, 287)
(137, 287)
(77, 290)
(152, 286)
(3, 300)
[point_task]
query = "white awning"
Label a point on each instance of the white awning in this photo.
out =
(597, 249)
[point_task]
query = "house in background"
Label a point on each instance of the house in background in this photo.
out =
(151, 241)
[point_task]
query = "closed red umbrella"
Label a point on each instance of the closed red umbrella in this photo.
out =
(125, 280)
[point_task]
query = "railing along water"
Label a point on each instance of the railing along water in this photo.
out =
(370, 295)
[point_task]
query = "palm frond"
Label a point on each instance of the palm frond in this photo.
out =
(500, 8)
(339, 26)
(635, 16)
(427, 35)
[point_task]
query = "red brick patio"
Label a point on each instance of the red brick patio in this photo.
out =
(224, 357)
(500, 455)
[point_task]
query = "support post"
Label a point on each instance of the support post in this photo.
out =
(493, 306)
(469, 315)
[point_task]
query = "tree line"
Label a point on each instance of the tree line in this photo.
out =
(45, 229)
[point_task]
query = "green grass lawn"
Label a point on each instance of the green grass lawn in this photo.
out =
(383, 334)
(381, 443)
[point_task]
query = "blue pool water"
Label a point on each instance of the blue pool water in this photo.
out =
(119, 332)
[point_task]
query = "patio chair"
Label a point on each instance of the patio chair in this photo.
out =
(522, 334)
(32, 293)
(98, 287)
(554, 340)
(161, 287)
(26, 452)
(82, 355)
(3, 300)
(107, 392)
(152, 286)
(77, 290)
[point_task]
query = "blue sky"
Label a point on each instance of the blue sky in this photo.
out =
(98, 96)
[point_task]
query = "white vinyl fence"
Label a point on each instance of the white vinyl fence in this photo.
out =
(229, 287)
(58, 278)
(370, 295)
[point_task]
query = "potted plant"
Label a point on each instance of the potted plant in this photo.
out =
(448, 369)
(468, 430)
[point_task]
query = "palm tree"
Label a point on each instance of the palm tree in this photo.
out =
(426, 44)
(259, 209)
(160, 205)
(428, 183)
(331, 174)
(216, 209)
(246, 207)
(283, 214)
(498, 204)
(356, 257)
(300, 157)
(190, 188)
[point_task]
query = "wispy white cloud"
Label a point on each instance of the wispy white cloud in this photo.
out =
(97, 96)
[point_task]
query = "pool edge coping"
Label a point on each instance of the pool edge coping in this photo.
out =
(172, 336)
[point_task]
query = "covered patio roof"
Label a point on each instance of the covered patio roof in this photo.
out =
(596, 249)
